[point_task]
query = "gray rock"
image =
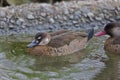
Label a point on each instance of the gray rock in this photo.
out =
(71, 17)
(74, 22)
(12, 21)
(4, 78)
(2, 14)
(64, 18)
(118, 17)
(118, 8)
(98, 18)
(21, 76)
(66, 12)
(2, 23)
(11, 26)
(52, 74)
(1, 27)
(85, 9)
(30, 16)
(36, 78)
(12, 11)
(20, 21)
(65, 15)
(43, 14)
(90, 14)
(51, 20)
(101, 15)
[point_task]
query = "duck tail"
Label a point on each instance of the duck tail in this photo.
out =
(90, 33)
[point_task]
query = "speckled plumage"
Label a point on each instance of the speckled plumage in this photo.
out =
(61, 43)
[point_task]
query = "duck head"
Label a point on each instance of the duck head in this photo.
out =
(40, 39)
(112, 29)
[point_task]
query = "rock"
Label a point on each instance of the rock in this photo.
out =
(12, 11)
(11, 27)
(1, 27)
(66, 15)
(12, 21)
(23, 26)
(118, 8)
(4, 78)
(101, 15)
(66, 12)
(20, 21)
(71, 17)
(98, 18)
(90, 14)
(21, 76)
(2, 14)
(52, 74)
(51, 20)
(30, 16)
(118, 17)
(85, 9)
(36, 78)
(43, 14)
(112, 20)
(25, 70)
(65, 18)
(74, 22)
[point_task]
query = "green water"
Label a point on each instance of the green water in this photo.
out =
(17, 64)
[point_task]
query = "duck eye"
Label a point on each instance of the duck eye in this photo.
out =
(39, 38)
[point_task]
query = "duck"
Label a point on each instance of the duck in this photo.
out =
(59, 43)
(112, 43)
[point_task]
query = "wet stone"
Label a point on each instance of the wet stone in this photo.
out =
(4, 78)
(52, 74)
(21, 76)
(26, 70)
(36, 78)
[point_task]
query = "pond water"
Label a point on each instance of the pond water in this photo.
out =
(89, 64)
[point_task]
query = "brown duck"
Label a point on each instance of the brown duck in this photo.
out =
(112, 44)
(59, 43)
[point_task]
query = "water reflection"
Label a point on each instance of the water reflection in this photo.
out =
(112, 70)
(17, 64)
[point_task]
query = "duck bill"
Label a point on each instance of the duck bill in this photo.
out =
(101, 33)
(32, 44)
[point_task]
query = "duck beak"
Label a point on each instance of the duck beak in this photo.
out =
(32, 44)
(101, 33)
(90, 33)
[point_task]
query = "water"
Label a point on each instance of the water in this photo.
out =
(89, 64)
